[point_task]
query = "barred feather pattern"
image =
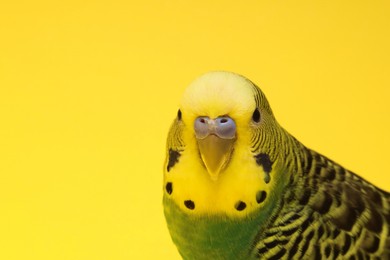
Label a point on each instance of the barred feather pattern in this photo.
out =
(327, 212)
(320, 210)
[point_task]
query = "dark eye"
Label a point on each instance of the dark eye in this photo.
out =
(256, 115)
(179, 114)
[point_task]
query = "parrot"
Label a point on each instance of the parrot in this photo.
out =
(237, 185)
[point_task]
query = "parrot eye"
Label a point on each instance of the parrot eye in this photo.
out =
(179, 114)
(256, 115)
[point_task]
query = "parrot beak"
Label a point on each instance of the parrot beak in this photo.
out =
(215, 139)
(215, 153)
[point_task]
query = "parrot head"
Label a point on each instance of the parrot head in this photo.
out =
(222, 147)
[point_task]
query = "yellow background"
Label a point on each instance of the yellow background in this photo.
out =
(88, 90)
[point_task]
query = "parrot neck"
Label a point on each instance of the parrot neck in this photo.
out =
(217, 236)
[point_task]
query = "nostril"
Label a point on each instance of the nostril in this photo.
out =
(226, 127)
(201, 127)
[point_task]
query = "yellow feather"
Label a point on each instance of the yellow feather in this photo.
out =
(216, 94)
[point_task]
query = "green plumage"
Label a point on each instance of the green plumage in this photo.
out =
(211, 237)
(312, 207)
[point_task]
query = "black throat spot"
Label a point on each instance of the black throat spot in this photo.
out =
(263, 160)
(173, 158)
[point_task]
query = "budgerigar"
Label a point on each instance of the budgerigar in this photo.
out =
(239, 186)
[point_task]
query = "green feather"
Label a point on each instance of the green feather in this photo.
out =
(314, 208)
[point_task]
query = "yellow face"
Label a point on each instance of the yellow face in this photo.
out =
(240, 186)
